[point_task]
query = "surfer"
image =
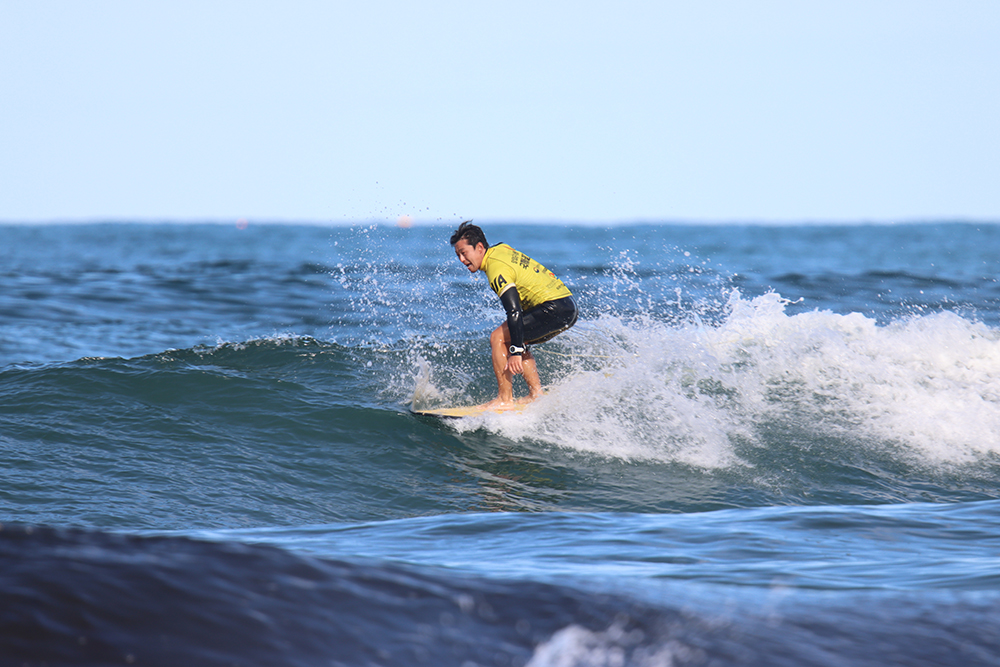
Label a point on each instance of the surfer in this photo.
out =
(539, 306)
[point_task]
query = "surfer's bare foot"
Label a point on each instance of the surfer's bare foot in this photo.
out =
(498, 404)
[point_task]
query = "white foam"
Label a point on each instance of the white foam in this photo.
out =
(576, 646)
(424, 391)
(927, 388)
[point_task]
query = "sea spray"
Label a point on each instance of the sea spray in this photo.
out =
(919, 388)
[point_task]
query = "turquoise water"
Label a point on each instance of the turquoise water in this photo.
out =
(759, 445)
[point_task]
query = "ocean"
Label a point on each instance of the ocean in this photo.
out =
(760, 445)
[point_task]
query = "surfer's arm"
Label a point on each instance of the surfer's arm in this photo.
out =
(511, 301)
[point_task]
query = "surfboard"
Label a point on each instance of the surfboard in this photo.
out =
(468, 411)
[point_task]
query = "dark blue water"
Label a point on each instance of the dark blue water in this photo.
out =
(760, 445)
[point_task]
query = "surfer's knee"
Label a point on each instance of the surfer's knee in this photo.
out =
(497, 337)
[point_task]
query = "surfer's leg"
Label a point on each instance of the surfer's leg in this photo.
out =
(530, 374)
(499, 342)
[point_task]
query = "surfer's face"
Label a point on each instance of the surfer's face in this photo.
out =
(471, 256)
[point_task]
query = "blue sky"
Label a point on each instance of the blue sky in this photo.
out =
(782, 111)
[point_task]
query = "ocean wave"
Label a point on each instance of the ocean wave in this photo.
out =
(640, 416)
(74, 597)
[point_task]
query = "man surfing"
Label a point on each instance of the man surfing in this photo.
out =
(539, 306)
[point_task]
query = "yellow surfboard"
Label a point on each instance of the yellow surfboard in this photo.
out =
(468, 411)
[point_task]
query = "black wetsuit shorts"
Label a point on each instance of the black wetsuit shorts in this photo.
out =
(549, 319)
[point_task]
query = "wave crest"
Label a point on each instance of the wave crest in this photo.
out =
(923, 389)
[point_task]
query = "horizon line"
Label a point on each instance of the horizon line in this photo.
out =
(408, 221)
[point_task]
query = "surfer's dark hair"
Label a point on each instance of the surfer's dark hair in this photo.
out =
(472, 234)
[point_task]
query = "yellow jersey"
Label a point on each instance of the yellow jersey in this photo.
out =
(506, 268)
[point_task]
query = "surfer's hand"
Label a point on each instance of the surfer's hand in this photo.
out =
(515, 365)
